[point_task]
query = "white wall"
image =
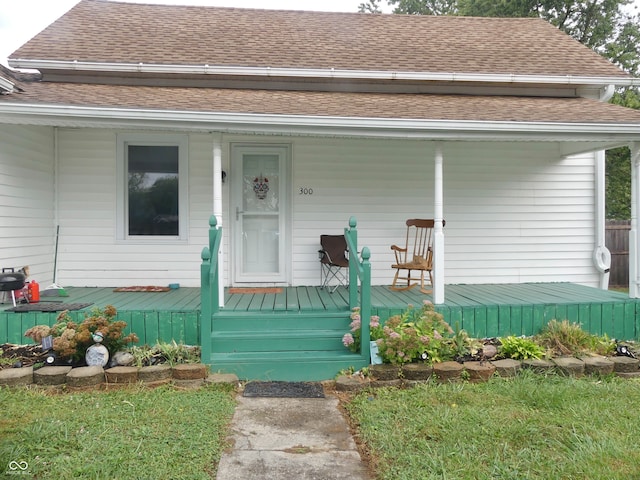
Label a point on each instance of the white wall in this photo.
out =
(27, 234)
(90, 253)
(514, 212)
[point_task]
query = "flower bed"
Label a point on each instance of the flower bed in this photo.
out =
(62, 356)
(421, 336)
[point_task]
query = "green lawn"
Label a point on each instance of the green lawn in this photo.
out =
(530, 427)
(135, 433)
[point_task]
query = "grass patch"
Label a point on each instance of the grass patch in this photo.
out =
(529, 427)
(130, 433)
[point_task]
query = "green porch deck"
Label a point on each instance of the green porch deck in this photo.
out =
(482, 310)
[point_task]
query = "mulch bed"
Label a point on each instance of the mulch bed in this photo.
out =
(24, 355)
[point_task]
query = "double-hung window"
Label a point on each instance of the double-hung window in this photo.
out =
(152, 196)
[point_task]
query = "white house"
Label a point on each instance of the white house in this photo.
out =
(146, 119)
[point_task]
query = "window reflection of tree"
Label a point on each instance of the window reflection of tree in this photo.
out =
(153, 207)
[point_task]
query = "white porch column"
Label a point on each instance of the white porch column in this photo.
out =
(634, 238)
(438, 235)
(601, 254)
(217, 205)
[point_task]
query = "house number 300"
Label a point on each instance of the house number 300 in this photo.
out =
(305, 191)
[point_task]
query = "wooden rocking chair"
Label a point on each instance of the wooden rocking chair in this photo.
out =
(417, 254)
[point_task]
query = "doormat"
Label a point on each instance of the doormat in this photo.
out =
(48, 307)
(283, 390)
(233, 290)
(147, 288)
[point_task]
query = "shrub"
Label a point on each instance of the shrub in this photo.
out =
(416, 335)
(71, 340)
(564, 338)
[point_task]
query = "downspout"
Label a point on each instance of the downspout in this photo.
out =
(438, 234)
(217, 206)
(634, 238)
(601, 254)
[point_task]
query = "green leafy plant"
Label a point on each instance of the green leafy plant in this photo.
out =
(346, 372)
(602, 345)
(353, 338)
(142, 355)
(4, 360)
(174, 353)
(520, 348)
(462, 344)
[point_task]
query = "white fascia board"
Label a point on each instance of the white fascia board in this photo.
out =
(317, 73)
(315, 125)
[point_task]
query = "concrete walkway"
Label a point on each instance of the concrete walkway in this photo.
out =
(290, 438)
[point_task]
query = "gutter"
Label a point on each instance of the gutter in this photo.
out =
(6, 86)
(326, 73)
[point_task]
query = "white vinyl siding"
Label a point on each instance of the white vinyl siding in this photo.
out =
(27, 234)
(91, 254)
(514, 212)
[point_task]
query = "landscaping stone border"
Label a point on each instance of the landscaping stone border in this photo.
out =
(194, 375)
(187, 375)
(624, 367)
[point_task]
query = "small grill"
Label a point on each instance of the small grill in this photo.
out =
(11, 281)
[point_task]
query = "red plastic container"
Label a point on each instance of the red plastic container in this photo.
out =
(34, 292)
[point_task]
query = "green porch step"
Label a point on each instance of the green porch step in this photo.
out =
(300, 340)
(261, 321)
(291, 346)
(295, 366)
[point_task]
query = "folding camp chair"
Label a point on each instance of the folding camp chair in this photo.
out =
(334, 262)
(417, 254)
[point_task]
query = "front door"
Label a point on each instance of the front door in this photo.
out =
(259, 192)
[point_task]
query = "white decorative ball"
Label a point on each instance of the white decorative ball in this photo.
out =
(97, 355)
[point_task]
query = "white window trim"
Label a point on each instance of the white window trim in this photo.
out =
(123, 141)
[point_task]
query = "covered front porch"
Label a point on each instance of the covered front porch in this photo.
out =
(482, 310)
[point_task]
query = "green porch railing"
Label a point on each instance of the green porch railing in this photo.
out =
(209, 286)
(359, 276)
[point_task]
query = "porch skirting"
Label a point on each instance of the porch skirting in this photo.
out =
(482, 310)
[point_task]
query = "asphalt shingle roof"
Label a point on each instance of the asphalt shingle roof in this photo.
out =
(329, 104)
(105, 31)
